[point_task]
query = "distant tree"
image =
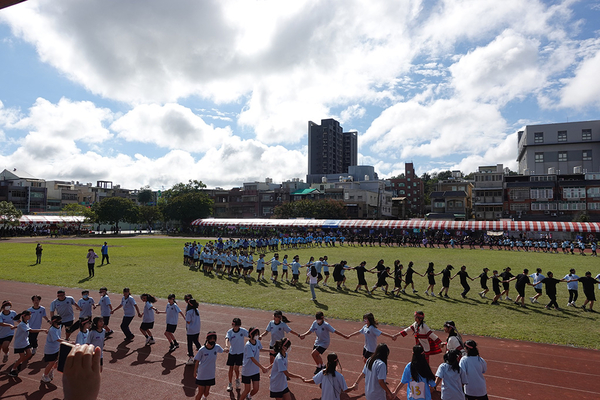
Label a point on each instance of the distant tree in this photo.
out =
(442, 176)
(9, 215)
(75, 209)
(469, 177)
(150, 214)
(183, 188)
(321, 209)
(188, 207)
(113, 210)
(145, 195)
(400, 176)
(581, 217)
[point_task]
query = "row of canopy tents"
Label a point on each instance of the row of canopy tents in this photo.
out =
(41, 220)
(512, 226)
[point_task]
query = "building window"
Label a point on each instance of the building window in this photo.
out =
(572, 206)
(539, 157)
(562, 136)
(587, 155)
(562, 156)
(543, 206)
(439, 205)
(574, 193)
(586, 134)
(519, 207)
(593, 192)
(593, 206)
(541, 193)
(538, 137)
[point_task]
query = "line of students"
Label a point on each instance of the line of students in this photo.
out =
(318, 271)
(243, 356)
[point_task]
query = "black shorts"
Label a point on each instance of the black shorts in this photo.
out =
(362, 282)
(272, 351)
(274, 273)
(408, 281)
(497, 291)
(366, 353)
(320, 349)
(538, 291)
(445, 282)
(251, 378)
(106, 320)
(326, 273)
(484, 397)
(506, 286)
(319, 276)
(51, 357)
(235, 359)
(6, 339)
(278, 395)
(590, 296)
(67, 324)
(205, 382)
(146, 325)
(22, 350)
(521, 291)
(171, 328)
(33, 339)
(485, 286)
(295, 276)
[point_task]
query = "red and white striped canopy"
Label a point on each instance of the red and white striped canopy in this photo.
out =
(50, 219)
(513, 226)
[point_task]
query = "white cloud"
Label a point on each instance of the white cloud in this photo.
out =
(51, 150)
(435, 129)
(73, 120)
(352, 112)
(170, 126)
(505, 69)
(583, 90)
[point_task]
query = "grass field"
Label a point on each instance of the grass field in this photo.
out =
(154, 265)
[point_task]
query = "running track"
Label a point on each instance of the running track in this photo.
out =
(516, 370)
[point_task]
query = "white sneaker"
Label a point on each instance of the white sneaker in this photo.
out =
(190, 361)
(248, 397)
(569, 304)
(532, 300)
(324, 284)
(33, 351)
(151, 341)
(46, 378)
(147, 340)
(415, 291)
(51, 374)
(426, 293)
(432, 294)
(508, 298)
(237, 384)
(229, 387)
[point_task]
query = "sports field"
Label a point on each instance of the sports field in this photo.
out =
(154, 265)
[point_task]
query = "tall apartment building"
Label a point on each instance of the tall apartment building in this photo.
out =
(330, 149)
(562, 148)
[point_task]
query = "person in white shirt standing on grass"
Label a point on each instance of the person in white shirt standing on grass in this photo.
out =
(91, 259)
(572, 286)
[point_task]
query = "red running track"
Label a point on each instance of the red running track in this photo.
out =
(516, 370)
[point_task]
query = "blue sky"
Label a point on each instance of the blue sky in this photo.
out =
(222, 91)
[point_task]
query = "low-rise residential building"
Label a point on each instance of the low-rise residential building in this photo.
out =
(488, 192)
(452, 199)
(27, 193)
(409, 187)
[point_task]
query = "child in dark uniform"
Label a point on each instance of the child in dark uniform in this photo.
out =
(360, 273)
(483, 278)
